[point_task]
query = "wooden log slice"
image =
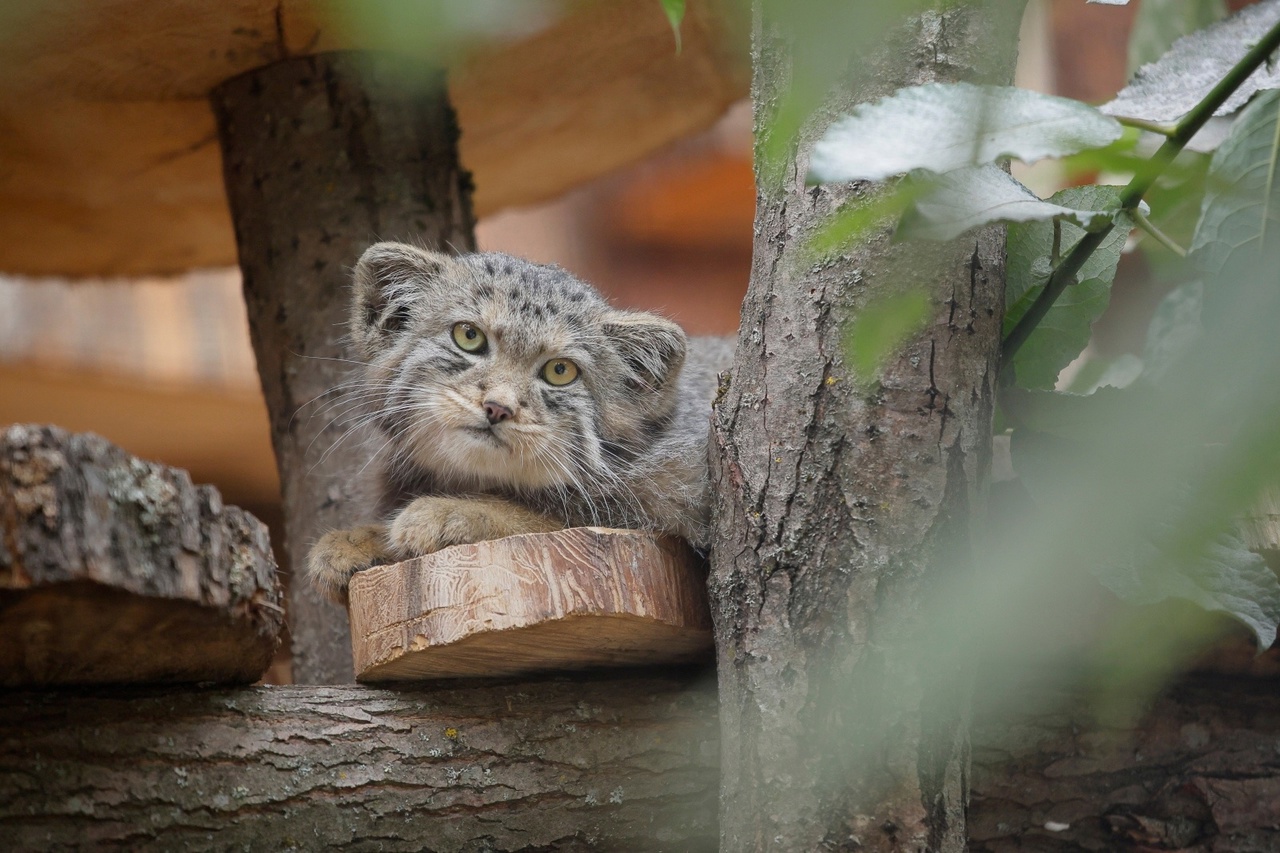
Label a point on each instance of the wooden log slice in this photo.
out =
(116, 570)
(579, 598)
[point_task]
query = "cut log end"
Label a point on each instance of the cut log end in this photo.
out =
(116, 570)
(576, 599)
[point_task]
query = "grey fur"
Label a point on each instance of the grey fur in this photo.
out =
(624, 445)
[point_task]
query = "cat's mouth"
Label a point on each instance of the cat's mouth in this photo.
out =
(485, 434)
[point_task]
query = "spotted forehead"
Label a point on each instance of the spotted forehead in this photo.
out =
(528, 302)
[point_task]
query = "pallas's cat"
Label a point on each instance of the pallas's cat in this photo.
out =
(511, 398)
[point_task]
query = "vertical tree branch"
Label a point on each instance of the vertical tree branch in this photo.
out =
(324, 155)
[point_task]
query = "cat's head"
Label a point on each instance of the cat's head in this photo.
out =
(492, 370)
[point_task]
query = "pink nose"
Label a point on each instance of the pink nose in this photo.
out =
(496, 412)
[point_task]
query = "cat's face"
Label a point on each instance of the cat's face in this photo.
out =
(491, 370)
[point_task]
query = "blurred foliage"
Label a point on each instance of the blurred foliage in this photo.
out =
(439, 31)
(1064, 332)
(674, 10)
(1136, 481)
(880, 328)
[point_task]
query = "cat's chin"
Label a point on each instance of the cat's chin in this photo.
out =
(478, 457)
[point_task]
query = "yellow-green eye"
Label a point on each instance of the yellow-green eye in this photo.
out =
(469, 338)
(559, 371)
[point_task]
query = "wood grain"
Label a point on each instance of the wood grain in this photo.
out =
(116, 169)
(117, 570)
(578, 598)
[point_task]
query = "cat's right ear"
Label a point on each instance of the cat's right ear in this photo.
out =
(388, 280)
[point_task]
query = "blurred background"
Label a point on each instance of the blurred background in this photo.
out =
(164, 367)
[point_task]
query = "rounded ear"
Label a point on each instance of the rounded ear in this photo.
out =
(651, 347)
(388, 279)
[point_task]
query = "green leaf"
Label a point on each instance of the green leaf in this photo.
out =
(1064, 449)
(1064, 332)
(1160, 23)
(880, 328)
(1173, 329)
(1223, 575)
(441, 32)
(1175, 203)
(858, 220)
(674, 10)
(953, 203)
(1239, 228)
(1058, 414)
(1167, 89)
(1121, 372)
(941, 127)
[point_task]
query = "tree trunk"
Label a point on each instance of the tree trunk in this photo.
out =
(838, 501)
(324, 155)
(608, 763)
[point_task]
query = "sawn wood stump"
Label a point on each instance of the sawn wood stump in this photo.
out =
(575, 599)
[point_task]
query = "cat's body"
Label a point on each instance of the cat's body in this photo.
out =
(512, 398)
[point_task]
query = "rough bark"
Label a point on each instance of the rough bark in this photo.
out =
(324, 155)
(608, 764)
(113, 569)
(622, 762)
(837, 500)
(574, 599)
(1200, 773)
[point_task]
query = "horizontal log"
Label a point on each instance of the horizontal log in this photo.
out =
(113, 569)
(627, 761)
(1200, 772)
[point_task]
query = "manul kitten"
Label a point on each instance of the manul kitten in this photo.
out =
(511, 398)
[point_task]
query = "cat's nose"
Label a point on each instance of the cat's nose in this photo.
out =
(496, 412)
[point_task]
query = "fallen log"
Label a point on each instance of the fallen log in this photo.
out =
(113, 569)
(1199, 772)
(624, 761)
(627, 761)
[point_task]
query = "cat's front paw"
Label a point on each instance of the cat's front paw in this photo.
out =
(340, 554)
(431, 523)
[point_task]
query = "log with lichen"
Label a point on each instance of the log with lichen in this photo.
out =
(114, 569)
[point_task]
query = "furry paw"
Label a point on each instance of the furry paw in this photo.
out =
(340, 554)
(431, 523)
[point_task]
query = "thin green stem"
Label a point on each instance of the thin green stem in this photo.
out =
(1153, 126)
(1159, 236)
(1064, 273)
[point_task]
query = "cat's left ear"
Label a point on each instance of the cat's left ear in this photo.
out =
(652, 347)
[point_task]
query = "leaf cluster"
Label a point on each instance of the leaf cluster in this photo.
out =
(1141, 479)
